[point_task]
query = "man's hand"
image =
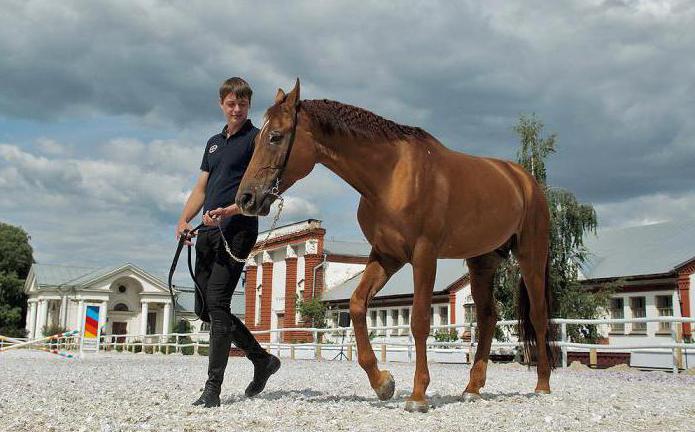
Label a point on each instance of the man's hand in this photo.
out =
(181, 227)
(223, 212)
(210, 220)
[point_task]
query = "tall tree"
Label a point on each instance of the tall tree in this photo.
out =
(569, 221)
(15, 262)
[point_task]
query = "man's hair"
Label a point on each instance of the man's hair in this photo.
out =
(238, 86)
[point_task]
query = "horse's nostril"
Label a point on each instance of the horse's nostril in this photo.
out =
(245, 200)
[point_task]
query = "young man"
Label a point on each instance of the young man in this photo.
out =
(226, 157)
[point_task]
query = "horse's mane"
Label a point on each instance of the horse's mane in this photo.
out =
(338, 118)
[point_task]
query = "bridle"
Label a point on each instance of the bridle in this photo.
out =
(186, 235)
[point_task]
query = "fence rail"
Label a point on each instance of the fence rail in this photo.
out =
(196, 343)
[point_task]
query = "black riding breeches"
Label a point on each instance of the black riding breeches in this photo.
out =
(217, 274)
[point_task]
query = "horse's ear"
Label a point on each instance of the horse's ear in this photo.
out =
(293, 96)
(280, 96)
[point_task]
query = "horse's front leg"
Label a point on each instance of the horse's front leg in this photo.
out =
(378, 271)
(424, 272)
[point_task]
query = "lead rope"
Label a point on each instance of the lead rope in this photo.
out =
(275, 191)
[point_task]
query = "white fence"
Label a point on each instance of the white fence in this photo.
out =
(399, 348)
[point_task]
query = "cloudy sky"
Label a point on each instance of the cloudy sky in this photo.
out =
(105, 107)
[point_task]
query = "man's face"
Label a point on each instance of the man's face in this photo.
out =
(235, 110)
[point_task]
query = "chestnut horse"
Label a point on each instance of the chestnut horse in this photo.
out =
(419, 201)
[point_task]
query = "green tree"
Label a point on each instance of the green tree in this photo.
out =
(312, 311)
(569, 221)
(15, 262)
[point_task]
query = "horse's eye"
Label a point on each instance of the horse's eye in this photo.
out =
(275, 137)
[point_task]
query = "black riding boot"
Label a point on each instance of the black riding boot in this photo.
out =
(264, 364)
(218, 355)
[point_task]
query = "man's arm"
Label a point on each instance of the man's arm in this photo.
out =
(193, 204)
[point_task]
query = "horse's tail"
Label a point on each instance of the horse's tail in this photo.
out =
(527, 334)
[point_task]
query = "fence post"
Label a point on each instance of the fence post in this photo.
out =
(317, 349)
(292, 352)
(674, 351)
(563, 335)
(593, 357)
(383, 352)
(349, 354)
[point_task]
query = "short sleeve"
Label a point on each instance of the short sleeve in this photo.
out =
(204, 164)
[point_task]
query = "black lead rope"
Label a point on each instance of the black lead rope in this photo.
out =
(185, 235)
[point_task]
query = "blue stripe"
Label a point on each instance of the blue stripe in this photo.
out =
(93, 312)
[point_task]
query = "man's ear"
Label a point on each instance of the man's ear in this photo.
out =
(280, 96)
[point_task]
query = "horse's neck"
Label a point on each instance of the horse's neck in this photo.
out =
(364, 164)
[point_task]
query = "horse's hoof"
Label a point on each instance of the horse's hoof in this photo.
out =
(387, 387)
(541, 391)
(417, 406)
(471, 397)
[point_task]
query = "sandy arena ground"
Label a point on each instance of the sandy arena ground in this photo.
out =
(128, 392)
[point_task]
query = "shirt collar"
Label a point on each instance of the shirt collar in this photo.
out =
(246, 126)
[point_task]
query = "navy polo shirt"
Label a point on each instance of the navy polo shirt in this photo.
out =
(225, 160)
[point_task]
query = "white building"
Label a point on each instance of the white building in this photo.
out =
(131, 300)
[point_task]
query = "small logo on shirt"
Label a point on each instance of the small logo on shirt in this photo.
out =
(213, 148)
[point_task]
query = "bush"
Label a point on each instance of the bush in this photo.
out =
(442, 335)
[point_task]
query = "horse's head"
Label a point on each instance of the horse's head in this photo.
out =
(283, 154)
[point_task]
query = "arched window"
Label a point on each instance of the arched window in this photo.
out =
(121, 307)
(121, 289)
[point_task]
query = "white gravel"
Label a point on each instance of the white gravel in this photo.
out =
(125, 392)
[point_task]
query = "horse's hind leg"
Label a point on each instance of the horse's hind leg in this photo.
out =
(482, 272)
(378, 271)
(532, 254)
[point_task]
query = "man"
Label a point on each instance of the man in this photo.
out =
(226, 157)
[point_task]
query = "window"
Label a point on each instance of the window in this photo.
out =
(664, 308)
(444, 315)
(300, 297)
(406, 320)
(121, 307)
(205, 327)
(469, 313)
(121, 289)
(639, 310)
(617, 312)
(394, 320)
(382, 321)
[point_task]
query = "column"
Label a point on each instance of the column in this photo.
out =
(143, 318)
(80, 316)
(167, 318)
(250, 293)
(41, 317)
(290, 292)
(31, 319)
(452, 308)
(63, 311)
(102, 314)
(267, 296)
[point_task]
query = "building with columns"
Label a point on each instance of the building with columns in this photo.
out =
(131, 300)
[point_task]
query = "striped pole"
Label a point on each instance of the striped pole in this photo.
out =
(63, 354)
(35, 341)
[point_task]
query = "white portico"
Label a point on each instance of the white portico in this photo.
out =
(131, 300)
